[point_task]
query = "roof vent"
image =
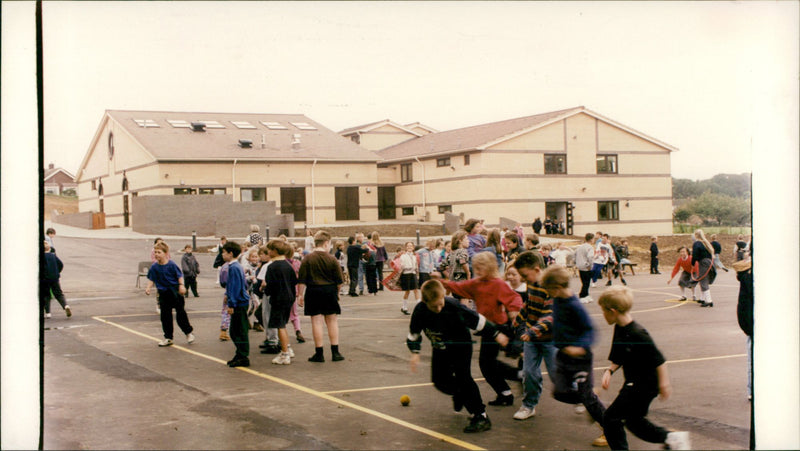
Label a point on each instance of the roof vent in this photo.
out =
(296, 141)
(245, 143)
(198, 126)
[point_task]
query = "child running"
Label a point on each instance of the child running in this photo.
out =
(408, 275)
(51, 273)
(536, 317)
(168, 280)
(493, 298)
(684, 265)
(447, 323)
(572, 336)
(190, 269)
(281, 289)
(646, 377)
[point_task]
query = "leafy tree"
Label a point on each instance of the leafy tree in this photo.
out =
(716, 208)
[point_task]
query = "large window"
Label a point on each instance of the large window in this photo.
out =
(408, 211)
(555, 163)
(608, 210)
(606, 164)
(466, 160)
(254, 194)
(406, 174)
(442, 162)
(293, 200)
(445, 208)
(210, 190)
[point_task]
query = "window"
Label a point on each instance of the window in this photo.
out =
(94, 185)
(254, 194)
(242, 124)
(466, 160)
(408, 211)
(606, 164)
(406, 174)
(444, 208)
(182, 191)
(212, 124)
(146, 123)
(274, 125)
(110, 145)
(303, 125)
(555, 163)
(608, 210)
(442, 162)
(210, 190)
(179, 123)
(293, 200)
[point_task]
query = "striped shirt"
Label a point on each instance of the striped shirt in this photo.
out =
(537, 314)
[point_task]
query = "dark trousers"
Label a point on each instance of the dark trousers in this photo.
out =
(424, 277)
(379, 274)
(451, 375)
(495, 371)
(630, 409)
(653, 265)
(240, 326)
(191, 284)
(586, 278)
(352, 272)
(48, 286)
(371, 274)
(573, 384)
(173, 300)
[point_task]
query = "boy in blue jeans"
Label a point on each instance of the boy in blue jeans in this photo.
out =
(573, 335)
(645, 373)
(238, 301)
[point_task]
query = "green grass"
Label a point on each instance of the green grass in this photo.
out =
(722, 230)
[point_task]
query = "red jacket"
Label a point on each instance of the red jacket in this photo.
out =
(686, 265)
(492, 297)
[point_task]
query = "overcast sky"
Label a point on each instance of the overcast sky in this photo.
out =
(697, 76)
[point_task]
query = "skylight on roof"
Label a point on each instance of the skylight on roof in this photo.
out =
(303, 125)
(274, 125)
(146, 123)
(212, 124)
(179, 123)
(243, 124)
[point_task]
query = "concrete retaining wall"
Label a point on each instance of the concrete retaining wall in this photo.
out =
(82, 220)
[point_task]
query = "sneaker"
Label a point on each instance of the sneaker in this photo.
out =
(282, 359)
(678, 440)
(683, 298)
(165, 342)
(68, 310)
(706, 304)
(258, 327)
(624, 283)
(223, 335)
(600, 441)
(271, 349)
(405, 311)
(608, 284)
(478, 423)
(189, 337)
(579, 409)
(47, 315)
(502, 400)
(586, 300)
(524, 413)
(317, 358)
(593, 285)
(336, 357)
(300, 337)
(290, 352)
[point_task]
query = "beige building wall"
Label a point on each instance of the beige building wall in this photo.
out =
(547, 138)
(612, 138)
(581, 144)
(383, 137)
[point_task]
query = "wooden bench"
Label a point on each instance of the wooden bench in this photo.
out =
(631, 266)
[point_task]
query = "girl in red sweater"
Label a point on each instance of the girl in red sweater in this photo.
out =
(684, 264)
(495, 300)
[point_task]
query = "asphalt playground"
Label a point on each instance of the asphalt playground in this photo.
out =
(107, 385)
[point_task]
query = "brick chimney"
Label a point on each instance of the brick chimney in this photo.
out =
(51, 166)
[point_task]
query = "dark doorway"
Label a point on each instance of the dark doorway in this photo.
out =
(347, 203)
(556, 211)
(293, 200)
(386, 204)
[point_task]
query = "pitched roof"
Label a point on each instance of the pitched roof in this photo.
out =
(48, 173)
(168, 142)
(373, 125)
(481, 136)
(414, 125)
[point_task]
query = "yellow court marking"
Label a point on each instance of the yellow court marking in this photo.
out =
(310, 391)
(657, 309)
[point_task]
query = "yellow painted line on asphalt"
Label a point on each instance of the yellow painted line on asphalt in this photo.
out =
(310, 391)
(388, 387)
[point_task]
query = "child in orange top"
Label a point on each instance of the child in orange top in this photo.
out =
(684, 264)
(493, 297)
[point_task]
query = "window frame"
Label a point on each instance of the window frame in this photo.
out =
(445, 208)
(605, 158)
(214, 191)
(252, 189)
(466, 160)
(443, 162)
(612, 206)
(555, 155)
(406, 172)
(404, 211)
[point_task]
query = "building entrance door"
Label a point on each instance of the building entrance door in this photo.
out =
(347, 207)
(386, 203)
(125, 212)
(557, 212)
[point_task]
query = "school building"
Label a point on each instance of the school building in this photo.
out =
(572, 164)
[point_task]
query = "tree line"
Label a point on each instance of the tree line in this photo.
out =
(724, 199)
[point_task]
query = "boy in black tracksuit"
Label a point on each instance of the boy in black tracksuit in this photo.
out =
(447, 324)
(646, 377)
(654, 256)
(49, 282)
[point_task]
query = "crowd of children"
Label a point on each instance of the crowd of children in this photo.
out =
(511, 291)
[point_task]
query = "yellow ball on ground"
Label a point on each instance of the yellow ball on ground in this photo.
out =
(405, 400)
